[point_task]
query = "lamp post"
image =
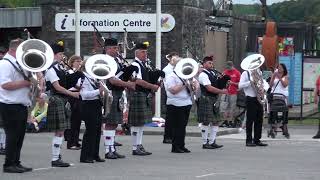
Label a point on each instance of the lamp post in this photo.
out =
(77, 27)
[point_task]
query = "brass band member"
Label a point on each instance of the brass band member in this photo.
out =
(115, 115)
(14, 100)
(140, 109)
(207, 100)
(58, 108)
(90, 91)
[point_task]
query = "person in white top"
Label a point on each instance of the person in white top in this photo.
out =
(91, 91)
(173, 58)
(254, 111)
(59, 110)
(140, 109)
(279, 83)
(179, 104)
(14, 103)
(206, 102)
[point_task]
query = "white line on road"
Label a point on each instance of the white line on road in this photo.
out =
(40, 169)
(213, 174)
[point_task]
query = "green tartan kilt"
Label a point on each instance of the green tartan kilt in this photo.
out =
(58, 116)
(140, 109)
(206, 110)
(116, 115)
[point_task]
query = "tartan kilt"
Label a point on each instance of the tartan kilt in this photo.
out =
(115, 115)
(59, 114)
(207, 112)
(140, 109)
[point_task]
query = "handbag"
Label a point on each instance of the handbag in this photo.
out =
(270, 94)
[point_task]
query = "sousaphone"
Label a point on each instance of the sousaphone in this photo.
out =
(252, 62)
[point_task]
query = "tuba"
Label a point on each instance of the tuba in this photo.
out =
(35, 56)
(102, 67)
(186, 69)
(252, 64)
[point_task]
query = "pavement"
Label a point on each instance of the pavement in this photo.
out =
(284, 159)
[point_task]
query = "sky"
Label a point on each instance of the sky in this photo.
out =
(269, 2)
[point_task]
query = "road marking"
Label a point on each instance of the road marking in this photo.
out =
(40, 169)
(213, 174)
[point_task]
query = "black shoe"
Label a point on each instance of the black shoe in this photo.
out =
(13, 169)
(87, 161)
(167, 141)
(2, 151)
(110, 155)
(287, 135)
(98, 159)
(317, 136)
(216, 146)
(184, 149)
(143, 150)
(26, 169)
(250, 144)
(119, 156)
(138, 152)
(261, 144)
(117, 144)
(207, 146)
(59, 163)
(176, 150)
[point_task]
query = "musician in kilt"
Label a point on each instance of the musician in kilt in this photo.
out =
(115, 116)
(59, 110)
(206, 104)
(140, 109)
(14, 103)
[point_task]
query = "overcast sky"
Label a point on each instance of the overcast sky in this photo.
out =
(269, 2)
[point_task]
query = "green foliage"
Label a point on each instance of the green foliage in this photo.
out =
(287, 11)
(18, 3)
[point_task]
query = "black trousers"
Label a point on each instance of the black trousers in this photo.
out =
(254, 119)
(167, 127)
(14, 120)
(179, 116)
(91, 114)
(72, 135)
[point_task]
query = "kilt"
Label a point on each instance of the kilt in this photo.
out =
(140, 109)
(115, 115)
(207, 112)
(59, 113)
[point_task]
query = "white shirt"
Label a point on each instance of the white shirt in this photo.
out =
(204, 78)
(246, 85)
(167, 71)
(87, 92)
(182, 98)
(51, 74)
(139, 74)
(280, 88)
(9, 74)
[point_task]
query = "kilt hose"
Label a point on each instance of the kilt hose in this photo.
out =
(115, 115)
(59, 113)
(206, 110)
(140, 109)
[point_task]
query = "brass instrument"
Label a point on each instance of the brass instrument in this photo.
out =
(252, 64)
(102, 67)
(35, 56)
(186, 69)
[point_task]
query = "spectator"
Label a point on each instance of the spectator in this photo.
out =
(38, 117)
